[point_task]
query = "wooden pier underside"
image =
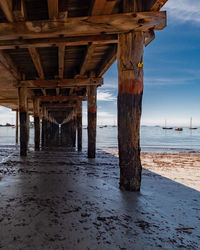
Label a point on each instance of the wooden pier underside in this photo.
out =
(54, 53)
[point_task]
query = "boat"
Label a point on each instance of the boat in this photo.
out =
(179, 129)
(165, 127)
(191, 124)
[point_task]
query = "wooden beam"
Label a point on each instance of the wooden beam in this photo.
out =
(57, 91)
(7, 63)
(99, 7)
(59, 105)
(6, 6)
(19, 10)
(89, 54)
(110, 58)
(149, 36)
(58, 41)
(44, 91)
(63, 83)
(61, 57)
(53, 9)
(82, 26)
(156, 5)
(60, 98)
(36, 60)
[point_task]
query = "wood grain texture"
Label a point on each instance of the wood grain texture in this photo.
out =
(83, 26)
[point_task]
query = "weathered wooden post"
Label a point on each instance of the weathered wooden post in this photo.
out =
(22, 93)
(92, 117)
(17, 126)
(44, 127)
(130, 91)
(79, 124)
(36, 110)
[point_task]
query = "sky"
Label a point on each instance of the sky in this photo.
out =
(171, 74)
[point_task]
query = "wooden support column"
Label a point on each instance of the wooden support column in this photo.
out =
(79, 125)
(44, 127)
(130, 80)
(36, 110)
(23, 120)
(92, 116)
(17, 126)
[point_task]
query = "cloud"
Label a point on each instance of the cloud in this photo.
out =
(105, 96)
(158, 81)
(111, 82)
(184, 10)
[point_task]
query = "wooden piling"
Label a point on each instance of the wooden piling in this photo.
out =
(130, 80)
(92, 116)
(44, 127)
(17, 127)
(79, 125)
(22, 93)
(36, 110)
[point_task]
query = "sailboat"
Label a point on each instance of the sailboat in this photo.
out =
(191, 124)
(165, 127)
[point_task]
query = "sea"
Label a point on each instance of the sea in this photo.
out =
(153, 139)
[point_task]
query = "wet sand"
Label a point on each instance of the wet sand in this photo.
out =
(59, 199)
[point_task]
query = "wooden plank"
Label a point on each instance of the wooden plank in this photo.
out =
(110, 59)
(7, 63)
(61, 57)
(6, 6)
(58, 41)
(36, 60)
(63, 83)
(103, 7)
(53, 9)
(82, 26)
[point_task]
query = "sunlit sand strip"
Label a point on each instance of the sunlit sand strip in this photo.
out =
(183, 168)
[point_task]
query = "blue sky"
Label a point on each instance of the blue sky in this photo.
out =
(171, 73)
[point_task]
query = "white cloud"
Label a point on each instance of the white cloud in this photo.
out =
(158, 81)
(184, 10)
(105, 96)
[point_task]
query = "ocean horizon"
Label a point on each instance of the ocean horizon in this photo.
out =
(152, 139)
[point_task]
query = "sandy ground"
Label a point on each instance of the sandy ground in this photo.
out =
(183, 168)
(58, 199)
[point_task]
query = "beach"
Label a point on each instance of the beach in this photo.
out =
(59, 199)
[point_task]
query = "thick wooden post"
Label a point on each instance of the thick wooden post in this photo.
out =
(130, 80)
(23, 120)
(17, 126)
(79, 125)
(92, 116)
(43, 126)
(36, 110)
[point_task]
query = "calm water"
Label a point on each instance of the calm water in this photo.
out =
(153, 139)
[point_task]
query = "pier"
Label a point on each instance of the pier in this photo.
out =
(53, 55)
